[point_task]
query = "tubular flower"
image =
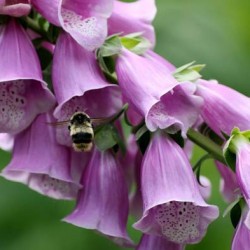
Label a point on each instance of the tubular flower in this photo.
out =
(155, 94)
(152, 242)
(173, 205)
(15, 8)
(103, 202)
(50, 174)
(78, 84)
(241, 240)
(129, 18)
(23, 93)
(84, 20)
(224, 105)
(228, 185)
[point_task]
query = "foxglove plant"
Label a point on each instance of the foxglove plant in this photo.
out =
(139, 164)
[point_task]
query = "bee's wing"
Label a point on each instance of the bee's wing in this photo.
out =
(59, 123)
(97, 121)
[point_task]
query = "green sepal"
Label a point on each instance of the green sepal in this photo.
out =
(136, 43)
(188, 72)
(107, 137)
(230, 148)
(112, 46)
(140, 132)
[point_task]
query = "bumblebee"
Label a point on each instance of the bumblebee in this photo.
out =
(81, 130)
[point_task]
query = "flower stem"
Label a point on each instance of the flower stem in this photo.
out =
(33, 25)
(206, 144)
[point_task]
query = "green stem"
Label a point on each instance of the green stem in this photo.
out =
(33, 25)
(207, 144)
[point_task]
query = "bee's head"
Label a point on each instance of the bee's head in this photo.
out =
(79, 119)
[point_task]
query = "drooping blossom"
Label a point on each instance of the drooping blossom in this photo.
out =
(154, 93)
(241, 240)
(102, 203)
(228, 185)
(133, 17)
(131, 163)
(39, 162)
(173, 205)
(23, 93)
(224, 108)
(80, 86)
(84, 20)
(15, 8)
(152, 242)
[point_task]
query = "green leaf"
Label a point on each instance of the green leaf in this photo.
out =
(106, 137)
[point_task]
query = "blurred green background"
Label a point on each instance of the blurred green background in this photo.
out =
(213, 32)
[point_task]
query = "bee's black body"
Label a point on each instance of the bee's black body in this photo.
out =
(81, 131)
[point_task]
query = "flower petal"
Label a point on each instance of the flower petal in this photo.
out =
(23, 94)
(152, 242)
(50, 174)
(224, 105)
(142, 82)
(80, 86)
(103, 202)
(241, 240)
(15, 8)
(6, 141)
(228, 184)
(88, 25)
(179, 214)
(133, 17)
(48, 9)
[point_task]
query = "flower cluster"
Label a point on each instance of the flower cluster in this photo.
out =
(113, 125)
